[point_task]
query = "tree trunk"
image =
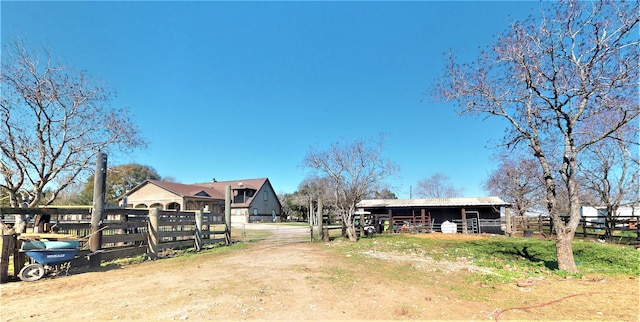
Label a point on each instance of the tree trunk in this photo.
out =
(351, 233)
(20, 225)
(608, 228)
(347, 221)
(610, 221)
(564, 249)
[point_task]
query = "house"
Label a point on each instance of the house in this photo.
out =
(252, 200)
(596, 216)
(477, 215)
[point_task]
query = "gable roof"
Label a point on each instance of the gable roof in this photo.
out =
(252, 184)
(255, 184)
(213, 189)
(183, 190)
(433, 202)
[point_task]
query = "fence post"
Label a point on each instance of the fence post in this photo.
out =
(198, 235)
(507, 222)
(320, 220)
(8, 244)
(227, 215)
(152, 251)
(97, 213)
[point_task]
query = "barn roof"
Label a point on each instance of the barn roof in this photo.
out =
(432, 202)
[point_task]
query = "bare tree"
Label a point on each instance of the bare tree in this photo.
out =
(53, 121)
(551, 78)
(610, 171)
(120, 179)
(355, 169)
(437, 186)
(517, 181)
(312, 189)
(385, 193)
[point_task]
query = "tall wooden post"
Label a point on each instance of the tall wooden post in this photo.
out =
(310, 219)
(540, 227)
(464, 221)
(227, 215)
(320, 220)
(507, 218)
(423, 221)
(154, 233)
(8, 242)
(97, 214)
(198, 231)
(19, 259)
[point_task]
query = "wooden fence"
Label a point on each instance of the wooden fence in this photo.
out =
(626, 228)
(123, 232)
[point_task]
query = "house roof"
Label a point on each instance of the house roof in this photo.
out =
(186, 190)
(432, 202)
(208, 190)
(255, 184)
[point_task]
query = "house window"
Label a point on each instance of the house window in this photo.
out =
(266, 195)
(255, 211)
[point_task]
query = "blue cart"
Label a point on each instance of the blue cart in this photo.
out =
(46, 257)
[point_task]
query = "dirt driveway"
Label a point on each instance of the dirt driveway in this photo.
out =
(307, 281)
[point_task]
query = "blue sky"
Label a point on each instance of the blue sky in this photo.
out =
(238, 90)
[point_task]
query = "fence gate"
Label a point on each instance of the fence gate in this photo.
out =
(274, 233)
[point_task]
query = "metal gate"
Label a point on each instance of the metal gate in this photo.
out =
(274, 233)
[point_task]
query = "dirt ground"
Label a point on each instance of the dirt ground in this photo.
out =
(311, 281)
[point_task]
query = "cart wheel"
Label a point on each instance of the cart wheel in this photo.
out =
(31, 272)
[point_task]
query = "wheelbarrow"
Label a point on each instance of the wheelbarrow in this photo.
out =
(47, 257)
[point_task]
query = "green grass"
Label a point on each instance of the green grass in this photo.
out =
(509, 258)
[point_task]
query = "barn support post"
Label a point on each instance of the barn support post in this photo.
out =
(227, 215)
(198, 231)
(153, 237)
(423, 225)
(391, 223)
(97, 213)
(464, 221)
